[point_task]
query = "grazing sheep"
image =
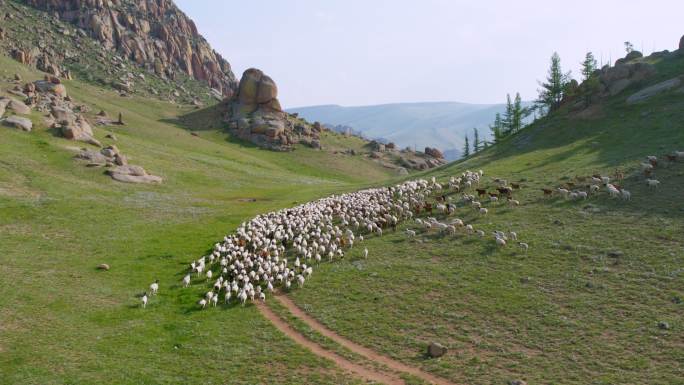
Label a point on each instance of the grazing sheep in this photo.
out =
(202, 303)
(214, 300)
(653, 183)
(500, 242)
(480, 233)
(154, 287)
(483, 211)
(144, 300)
(410, 233)
(514, 202)
(626, 195)
(524, 246)
(227, 296)
(594, 188)
(365, 253)
(186, 281)
(513, 235)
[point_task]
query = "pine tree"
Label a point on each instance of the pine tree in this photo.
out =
(496, 128)
(466, 148)
(588, 66)
(551, 92)
(507, 120)
(629, 47)
(517, 113)
(590, 83)
(476, 140)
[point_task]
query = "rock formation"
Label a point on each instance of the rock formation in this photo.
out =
(255, 114)
(152, 33)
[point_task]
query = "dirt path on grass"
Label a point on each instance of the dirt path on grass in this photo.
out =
(361, 371)
(386, 378)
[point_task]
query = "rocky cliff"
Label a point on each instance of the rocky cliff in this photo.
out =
(154, 34)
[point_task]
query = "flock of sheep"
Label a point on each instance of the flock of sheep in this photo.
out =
(279, 249)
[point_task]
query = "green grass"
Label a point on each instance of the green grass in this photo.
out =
(569, 311)
(64, 322)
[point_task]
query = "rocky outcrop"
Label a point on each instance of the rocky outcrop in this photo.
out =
(433, 152)
(654, 90)
(255, 114)
(152, 33)
(614, 80)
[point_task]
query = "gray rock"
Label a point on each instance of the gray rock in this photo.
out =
(103, 266)
(654, 90)
(436, 350)
(18, 107)
(132, 174)
(19, 122)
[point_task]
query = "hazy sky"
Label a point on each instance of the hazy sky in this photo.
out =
(357, 52)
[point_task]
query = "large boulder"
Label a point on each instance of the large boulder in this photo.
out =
(436, 350)
(19, 122)
(3, 105)
(47, 86)
(433, 152)
(132, 174)
(73, 126)
(18, 107)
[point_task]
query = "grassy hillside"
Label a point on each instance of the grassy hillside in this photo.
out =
(582, 306)
(64, 322)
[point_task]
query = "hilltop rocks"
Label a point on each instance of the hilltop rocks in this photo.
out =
(255, 115)
(154, 34)
(19, 122)
(433, 152)
(614, 80)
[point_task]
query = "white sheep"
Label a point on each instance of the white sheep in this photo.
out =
(144, 300)
(365, 253)
(653, 183)
(626, 195)
(483, 211)
(154, 287)
(410, 233)
(202, 302)
(500, 242)
(186, 281)
(214, 300)
(524, 246)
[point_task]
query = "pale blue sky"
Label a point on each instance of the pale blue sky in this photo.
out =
(358, 52)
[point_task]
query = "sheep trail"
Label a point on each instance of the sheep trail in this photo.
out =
(361, 371)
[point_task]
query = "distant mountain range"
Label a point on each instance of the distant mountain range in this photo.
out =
(435, 124)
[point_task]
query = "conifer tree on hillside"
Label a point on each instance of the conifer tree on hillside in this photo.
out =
(590, 82)
(507, 120)
(552, 90)
(496, 128)
(588, 66)
(476, 140)
(466, 148)
(518, 113)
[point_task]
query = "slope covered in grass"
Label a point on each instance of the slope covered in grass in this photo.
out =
(62, 321)
(596, 299)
